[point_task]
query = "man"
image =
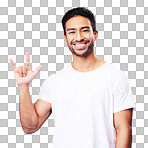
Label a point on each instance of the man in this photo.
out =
(90, 99)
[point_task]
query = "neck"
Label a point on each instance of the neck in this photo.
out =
(85, 64)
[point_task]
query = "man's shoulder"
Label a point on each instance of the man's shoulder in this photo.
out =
(115, 72)
(60, 73)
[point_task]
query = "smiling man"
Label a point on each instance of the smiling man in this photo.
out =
(91, 100)
(80, 37)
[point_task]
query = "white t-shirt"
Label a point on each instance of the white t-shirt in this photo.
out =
(83, 104)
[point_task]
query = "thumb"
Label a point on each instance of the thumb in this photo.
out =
(37, 70)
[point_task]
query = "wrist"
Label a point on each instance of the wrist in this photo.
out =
(23, 87)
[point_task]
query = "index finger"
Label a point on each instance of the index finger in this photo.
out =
(27, 59)
(12, 63)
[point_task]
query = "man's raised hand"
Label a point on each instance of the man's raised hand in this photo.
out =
(23, 74)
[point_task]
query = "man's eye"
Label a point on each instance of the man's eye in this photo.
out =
(85, 30)
(71, 32)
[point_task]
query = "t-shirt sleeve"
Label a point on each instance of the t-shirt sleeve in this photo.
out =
(122, 93)
(45, 90)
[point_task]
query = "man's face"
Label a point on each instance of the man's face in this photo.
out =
(80, 36)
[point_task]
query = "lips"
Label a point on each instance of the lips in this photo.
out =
(80, 45)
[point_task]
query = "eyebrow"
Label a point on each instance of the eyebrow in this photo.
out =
(75, 28)
(85, 27)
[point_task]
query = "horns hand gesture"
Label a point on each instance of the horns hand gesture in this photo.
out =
(23, 74)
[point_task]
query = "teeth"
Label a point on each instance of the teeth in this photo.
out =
(79, 45)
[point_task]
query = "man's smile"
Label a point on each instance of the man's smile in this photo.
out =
(80, 45)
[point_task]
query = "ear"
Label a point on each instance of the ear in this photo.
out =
(96, 35)
(65, 39)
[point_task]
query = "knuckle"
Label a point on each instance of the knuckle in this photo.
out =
(24, 69)
(20, 67)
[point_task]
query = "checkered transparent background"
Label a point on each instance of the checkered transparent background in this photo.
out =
(35, 26)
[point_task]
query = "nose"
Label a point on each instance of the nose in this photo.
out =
(79, 36)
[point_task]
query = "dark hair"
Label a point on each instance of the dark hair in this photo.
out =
(82, 11)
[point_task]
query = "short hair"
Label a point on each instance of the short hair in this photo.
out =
(82, 11)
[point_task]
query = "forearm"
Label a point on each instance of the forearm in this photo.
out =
(124, 138)
(28, 116)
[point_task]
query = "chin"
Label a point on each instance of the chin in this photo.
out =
(83, 53)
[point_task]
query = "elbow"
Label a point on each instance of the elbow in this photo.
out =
(29, 130)
(31, 126)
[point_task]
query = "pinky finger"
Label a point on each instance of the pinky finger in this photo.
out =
(37, 70)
